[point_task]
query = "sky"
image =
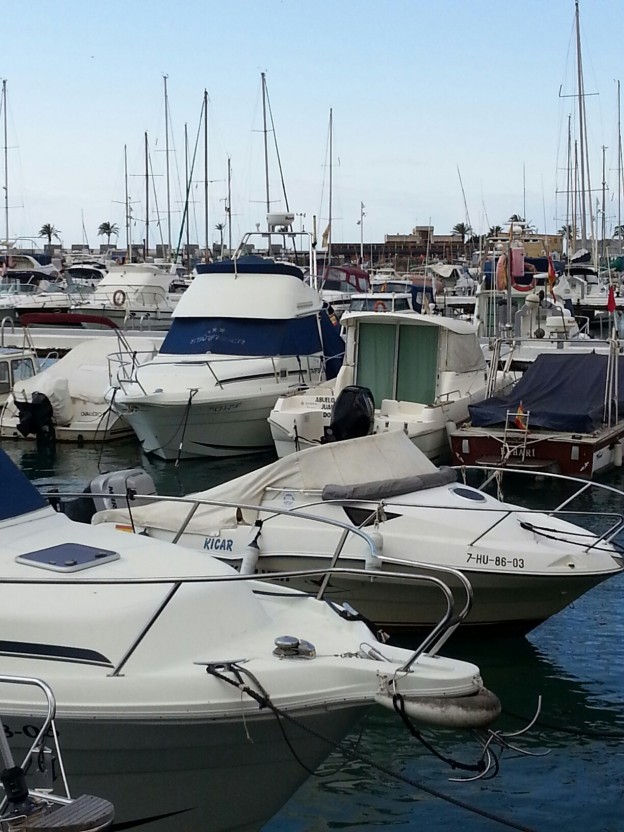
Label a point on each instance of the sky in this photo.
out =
(443, 111)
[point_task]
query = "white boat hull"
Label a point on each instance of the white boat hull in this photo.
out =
(164, 775)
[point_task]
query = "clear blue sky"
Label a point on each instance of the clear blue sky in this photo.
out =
(418, 88)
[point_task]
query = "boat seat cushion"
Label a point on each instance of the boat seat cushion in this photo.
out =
(381, 489)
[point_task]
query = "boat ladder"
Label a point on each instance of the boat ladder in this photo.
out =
(27, 801)
(516, 434)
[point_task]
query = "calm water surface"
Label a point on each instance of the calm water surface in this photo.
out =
(575, 662)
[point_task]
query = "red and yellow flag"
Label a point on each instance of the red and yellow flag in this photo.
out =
(552, 277)
(520, 419)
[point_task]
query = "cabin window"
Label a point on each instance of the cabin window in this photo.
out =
(5, 382)
(22, 368)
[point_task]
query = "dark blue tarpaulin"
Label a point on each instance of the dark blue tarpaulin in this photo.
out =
(17, 494)
(561, 392)
(254, 336)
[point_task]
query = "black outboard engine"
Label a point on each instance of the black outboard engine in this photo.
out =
(98, 495)
(37, 417)
(352, 415)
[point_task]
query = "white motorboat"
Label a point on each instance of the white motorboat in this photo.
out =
(186, 694)
(245, 332)
(134, 296)
(422, 371)
(67, 398)
(524, 566)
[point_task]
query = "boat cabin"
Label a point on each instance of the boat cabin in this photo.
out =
(15, 365)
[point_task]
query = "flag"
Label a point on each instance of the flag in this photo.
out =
(325, 240)
(502, 275)
(552, 277)
(611, 304)
(520, 418)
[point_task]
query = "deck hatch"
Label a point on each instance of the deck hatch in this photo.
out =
(68, 557)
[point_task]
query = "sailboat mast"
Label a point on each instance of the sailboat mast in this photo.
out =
(229, 206)
(331, 184)
(581, 116)
(167, 169)
(603, 229)
(128, 242)
(619, 170)
(146, 252)
(266, 144)
(206, 226)
(6, 164)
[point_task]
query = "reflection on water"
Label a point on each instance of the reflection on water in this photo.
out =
(574, 661)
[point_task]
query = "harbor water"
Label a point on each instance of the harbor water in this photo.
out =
(574, 662)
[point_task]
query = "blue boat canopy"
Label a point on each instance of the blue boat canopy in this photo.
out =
(254, 337)
(19, 495)
(561, 392)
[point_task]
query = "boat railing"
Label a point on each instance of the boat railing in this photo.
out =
(379, 506)
(47, 731)
(308, 367)
(493, 473)
(440, 633)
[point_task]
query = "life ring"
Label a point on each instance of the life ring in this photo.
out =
(119, 298)
(523, 287)
(380, 306)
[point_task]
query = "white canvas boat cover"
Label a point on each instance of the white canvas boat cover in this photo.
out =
(384, 456)
(85, 368)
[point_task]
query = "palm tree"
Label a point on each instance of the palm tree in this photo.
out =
(618, 231)
(461, 230)
(220, 226)
(515, 218)
(495, 231)
(108, 230)
(49, 231)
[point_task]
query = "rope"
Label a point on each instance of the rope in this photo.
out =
(351, 755)
(187, 413)
(575, 732)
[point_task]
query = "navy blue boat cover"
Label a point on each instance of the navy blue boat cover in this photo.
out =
(562, 392)
(249, 337)
(17, 494)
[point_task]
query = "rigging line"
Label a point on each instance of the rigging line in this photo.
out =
(277, 153)
(356, 756)
(158, 222)
(576, 732)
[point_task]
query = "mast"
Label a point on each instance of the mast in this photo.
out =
(167, 169)
(266, 145)
(229, 206)
(128, 209)
(583, 157)
(146, 251)
(6, 164)
(188, 189)
(603, 229)
(206, 226)
(331, 186)
(619, 171)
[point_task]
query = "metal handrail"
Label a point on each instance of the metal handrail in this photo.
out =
(431, 643)
(47, 725)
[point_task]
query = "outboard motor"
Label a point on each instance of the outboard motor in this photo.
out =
(352, 415)
(37, 417)
(98, 495)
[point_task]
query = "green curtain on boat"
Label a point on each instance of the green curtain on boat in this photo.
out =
(375, 359)
(418, 364)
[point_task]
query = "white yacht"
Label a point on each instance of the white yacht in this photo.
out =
(186, 694)
(422, 371)
(523, 566)
(134, 295)
(245, 332)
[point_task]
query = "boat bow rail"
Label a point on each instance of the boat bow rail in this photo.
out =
(433, 641)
